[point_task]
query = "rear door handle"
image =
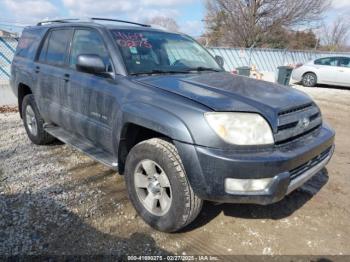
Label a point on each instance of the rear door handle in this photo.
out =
(37, 69)
(66, 77)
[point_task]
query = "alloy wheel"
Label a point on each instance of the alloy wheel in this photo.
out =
(309, 80)
(153, 187)
(31, 121)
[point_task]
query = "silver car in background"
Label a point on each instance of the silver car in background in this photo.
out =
(327, 70)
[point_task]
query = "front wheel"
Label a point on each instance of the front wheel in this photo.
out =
(158, 187)
(309, 80)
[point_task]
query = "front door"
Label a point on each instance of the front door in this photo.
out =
(344, 71)
(327, 70)
(90, 96)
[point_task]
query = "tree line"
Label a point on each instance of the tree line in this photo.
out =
(291, 24)
(274, 24)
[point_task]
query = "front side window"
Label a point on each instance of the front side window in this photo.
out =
(161, 52)
(89, 42)
(328, 61)
(344, 61)
(57, 46)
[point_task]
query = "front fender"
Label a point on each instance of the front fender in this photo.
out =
(162, 121)
(157, 119)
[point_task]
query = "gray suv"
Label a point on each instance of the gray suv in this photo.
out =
(160, 109)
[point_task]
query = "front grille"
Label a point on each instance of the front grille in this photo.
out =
(295, 109)
(297, 122)
(294, 173)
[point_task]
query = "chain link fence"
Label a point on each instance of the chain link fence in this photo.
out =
(267, 59)
(7, 49)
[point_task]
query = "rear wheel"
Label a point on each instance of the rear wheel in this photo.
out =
(309, 80)
(158, 187)
(33, 122)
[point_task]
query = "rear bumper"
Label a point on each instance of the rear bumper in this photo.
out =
(289, 166)
(297, 75)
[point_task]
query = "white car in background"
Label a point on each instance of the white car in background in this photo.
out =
(333, 70)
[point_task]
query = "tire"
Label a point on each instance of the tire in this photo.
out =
(309, 80)
(160, 157)
(33, 122)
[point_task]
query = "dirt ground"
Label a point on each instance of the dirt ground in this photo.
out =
(54, 200)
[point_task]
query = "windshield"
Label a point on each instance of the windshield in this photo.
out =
(148, 52)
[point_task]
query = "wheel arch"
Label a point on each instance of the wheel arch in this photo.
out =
(311, 72)
(140, 122)
(23, 90)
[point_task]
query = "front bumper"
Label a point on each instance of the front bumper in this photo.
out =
(289, 166)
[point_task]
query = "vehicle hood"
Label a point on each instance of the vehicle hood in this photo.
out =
(222, 91)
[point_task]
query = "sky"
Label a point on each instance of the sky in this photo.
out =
(189, 14)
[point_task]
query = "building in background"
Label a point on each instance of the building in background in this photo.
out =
(7, 34)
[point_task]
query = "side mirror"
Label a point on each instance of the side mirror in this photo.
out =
(91, 64)
(220, 60)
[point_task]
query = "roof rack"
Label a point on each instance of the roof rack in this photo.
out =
(58, 21)
(91, 19)
(118, 21)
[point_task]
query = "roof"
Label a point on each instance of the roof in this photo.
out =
(99, 22)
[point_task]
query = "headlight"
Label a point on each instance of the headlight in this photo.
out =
(241, 128)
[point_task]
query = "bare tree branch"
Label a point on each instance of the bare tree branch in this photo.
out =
(166, 22)
(334, 37)
(246, 22)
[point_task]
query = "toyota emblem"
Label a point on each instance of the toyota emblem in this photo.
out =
(305, 122)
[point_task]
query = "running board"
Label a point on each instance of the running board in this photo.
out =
(83, 146)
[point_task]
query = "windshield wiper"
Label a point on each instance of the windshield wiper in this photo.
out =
(185, 71)
(159, 71)
(202, 68)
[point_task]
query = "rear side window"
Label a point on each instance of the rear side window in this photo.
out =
(56, 47)
(42, 56)
(329, 61)
(29, 42)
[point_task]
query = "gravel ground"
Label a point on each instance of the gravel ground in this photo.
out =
(55, 200)
(8, 109)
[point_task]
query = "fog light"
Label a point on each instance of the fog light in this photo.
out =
(233, 185)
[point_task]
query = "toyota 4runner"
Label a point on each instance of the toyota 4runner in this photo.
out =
(160, 109)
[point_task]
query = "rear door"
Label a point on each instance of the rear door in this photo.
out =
(91, 99)
(22, 66)
(51, 68)
(344, 71)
